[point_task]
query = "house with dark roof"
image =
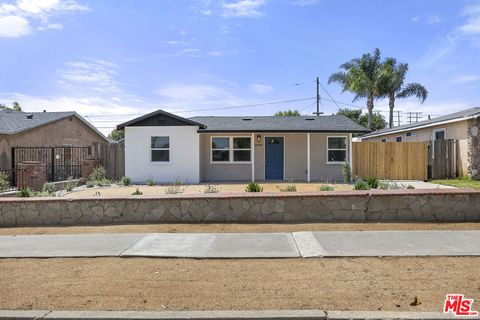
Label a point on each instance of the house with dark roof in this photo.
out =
(461, 126)
(166, 147)
(43, 129)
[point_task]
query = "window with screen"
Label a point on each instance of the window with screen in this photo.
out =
(160, 149)
(337, 149)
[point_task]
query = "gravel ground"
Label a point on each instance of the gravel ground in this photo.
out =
(188, 228)
(187, 284)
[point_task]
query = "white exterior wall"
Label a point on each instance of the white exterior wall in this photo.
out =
(184, 154)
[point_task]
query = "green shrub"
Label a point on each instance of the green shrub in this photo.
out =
(289, 187)
(174, 188)
(347, 172)
(70, 184)
(464, 177)
(137, 192)
(372, 182)
(150, 182)
(211, 189)
(98, 174)
(410, 187)
(25, 193)
(361, 185)
(126, 181)
(48, 188)
(326, 188)
(90, 184)
(4, 183)
(253, 187)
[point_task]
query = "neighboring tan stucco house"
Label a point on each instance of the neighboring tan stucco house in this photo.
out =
(461, 126)
(166, 147)
(43, 129)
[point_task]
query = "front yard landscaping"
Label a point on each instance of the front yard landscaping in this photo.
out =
(459, 183)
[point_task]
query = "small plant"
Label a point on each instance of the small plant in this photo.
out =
(4, 184)
(150, 182)
(25, 193)
(464, 177)
(361, 185)
(48, 188)
(98, 174)
(211, 189)
(326, 188)
(70, 185)
(410, 187)
(347, 172)
(137, 192)
(253, 187)
(372, 182)
(289, 187)
(174, 188)
(90, 184)
(382, 185)
(126, 181)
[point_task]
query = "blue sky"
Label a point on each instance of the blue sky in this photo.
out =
(112, 60)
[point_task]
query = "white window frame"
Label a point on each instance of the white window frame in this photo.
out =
(168, 149)
(231, 150)
(400, 136)
(439, 130)
(346, 150)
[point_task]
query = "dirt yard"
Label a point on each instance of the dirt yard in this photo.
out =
(186, 284)
(188, 228)
(197, 188)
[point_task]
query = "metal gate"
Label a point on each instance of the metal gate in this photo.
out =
(62, 163)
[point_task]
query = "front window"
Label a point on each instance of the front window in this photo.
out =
(231, 149)
(337, 149)
(440, 135)
(398, 139)
(160, 149)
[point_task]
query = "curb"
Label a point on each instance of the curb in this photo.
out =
(219, 314)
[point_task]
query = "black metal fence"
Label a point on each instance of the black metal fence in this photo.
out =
(61, 163)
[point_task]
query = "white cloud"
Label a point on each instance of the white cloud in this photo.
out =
(26, 12)
(260, 88)
(243, 8)
(13, 27)
(464, 78)
(472, 25)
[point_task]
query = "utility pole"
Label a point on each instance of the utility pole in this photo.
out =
(318, 99)
(398, 118)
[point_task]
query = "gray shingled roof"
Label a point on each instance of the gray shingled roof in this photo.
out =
(12, 122)
(333, 123)
(457, 115)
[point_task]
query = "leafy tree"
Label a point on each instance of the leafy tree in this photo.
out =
(117, 134)
(15, 106)
(362, 76)
(287, 113)
(393, 87)
(378, 121)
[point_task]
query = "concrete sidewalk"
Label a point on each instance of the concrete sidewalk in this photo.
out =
(245, 245)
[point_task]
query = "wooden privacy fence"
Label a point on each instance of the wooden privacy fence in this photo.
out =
(112, 157)
(390, 160)
(443, 159)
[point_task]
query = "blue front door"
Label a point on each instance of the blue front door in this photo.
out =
(274, 158)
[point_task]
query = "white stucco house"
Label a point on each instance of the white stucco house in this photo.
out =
(165, 147)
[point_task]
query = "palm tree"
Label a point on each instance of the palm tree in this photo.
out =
(363, 77)
(393, 76)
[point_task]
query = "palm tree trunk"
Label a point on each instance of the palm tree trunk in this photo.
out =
(370, 112)
(391, 105)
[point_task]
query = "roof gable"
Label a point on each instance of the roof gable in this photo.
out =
(159, 118)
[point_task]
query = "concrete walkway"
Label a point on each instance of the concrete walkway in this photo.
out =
(245, 245)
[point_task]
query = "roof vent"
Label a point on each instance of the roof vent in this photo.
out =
(310, 119)
(29, 116)
(247, 119)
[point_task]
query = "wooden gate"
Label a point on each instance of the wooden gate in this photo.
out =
(390, 160)
(443, 159)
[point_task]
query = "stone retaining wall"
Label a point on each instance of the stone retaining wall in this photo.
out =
(342, 206)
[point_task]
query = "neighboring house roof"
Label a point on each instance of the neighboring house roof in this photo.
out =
(12, 122)
(453, 117)
(159, 118)
(332, 123)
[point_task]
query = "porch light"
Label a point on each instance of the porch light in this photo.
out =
(259, 138)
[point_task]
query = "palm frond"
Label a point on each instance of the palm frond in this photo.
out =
(414, 90)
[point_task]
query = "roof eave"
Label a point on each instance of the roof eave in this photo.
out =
(278, 131)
